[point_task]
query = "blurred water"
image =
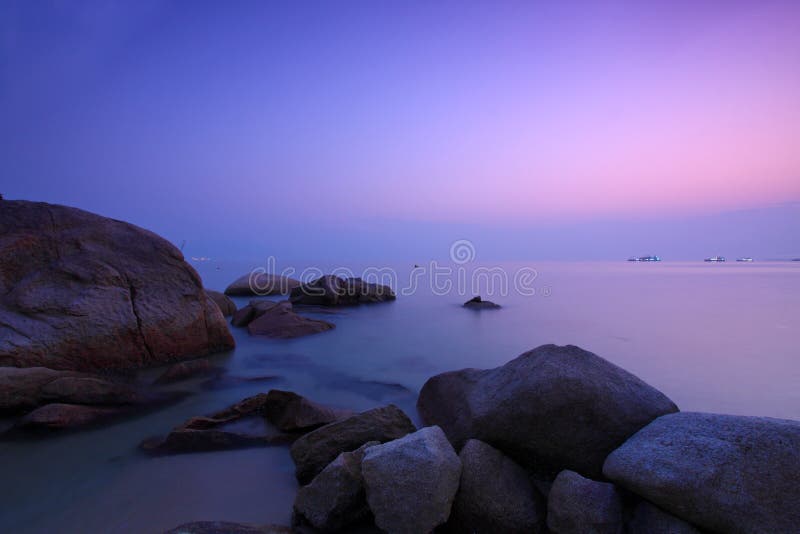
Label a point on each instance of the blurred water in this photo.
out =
(720, 338)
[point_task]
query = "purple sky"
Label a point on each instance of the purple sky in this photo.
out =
(386, 130)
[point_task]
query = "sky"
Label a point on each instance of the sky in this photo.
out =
(387, 130)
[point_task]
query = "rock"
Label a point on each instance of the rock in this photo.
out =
(577, 505)
(188, 369)
(650, 519)
(495, 494)
(330, 290)
(313, 451)
(246, 424)
(282, 323)
(59, 416)
(291, 412)
(411, 482)
(22, 389)
(226, 527)
(335, 498)
(476, 303)
(223, 302)
(587, 405)
(67, 272)
(262, 284)
(724, 473)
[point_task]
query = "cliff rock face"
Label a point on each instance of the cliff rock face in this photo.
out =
(84, 292)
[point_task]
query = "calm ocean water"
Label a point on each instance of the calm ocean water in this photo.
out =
(720, 338)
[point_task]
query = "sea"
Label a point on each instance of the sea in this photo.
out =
(713, 337)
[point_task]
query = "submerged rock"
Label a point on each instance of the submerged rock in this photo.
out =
(724, 473)
(84, 292)
(274, 418)
(58, 416)
(477, 303)
(411, 482)
(262, 284)
(495, 494)
(313, 451)
(587, 405)
(336, 497)
(330, 290)
(277, 320)
(223, 302)
(577, 505)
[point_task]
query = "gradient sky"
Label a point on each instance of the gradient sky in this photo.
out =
(388, 129)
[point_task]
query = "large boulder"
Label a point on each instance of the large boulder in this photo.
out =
(223, 302)
(262, 284)
(411, 482)
(22, 389)
(331, 290)
(495, 494)
(550, 409)
(577, 505)
(724, 473)
(80, 291)
(336, 497)
(313, 451)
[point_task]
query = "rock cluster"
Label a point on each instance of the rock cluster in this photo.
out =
(331, 290)
(261, 284)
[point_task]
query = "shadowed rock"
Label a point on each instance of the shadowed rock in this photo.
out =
(291, 412)
(550, 409)
(223, 302)
(650, 519)
(495, 494)
(577, 505)
(186, 370)
(724, 473)
(262, 284)
(277, 320)
(336, 497)
(411, 482)
(227, 527)
(312, 452)
(330, 290)
(477, 303)
(60, 416)
(84, 292)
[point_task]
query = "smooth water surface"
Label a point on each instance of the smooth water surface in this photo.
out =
(721, 338)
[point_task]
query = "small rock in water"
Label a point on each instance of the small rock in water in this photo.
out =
(330, 290)
(578, 505)
(262, 284)
(411, 482)
(477, 303)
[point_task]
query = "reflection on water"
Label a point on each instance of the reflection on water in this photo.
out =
(713, 337)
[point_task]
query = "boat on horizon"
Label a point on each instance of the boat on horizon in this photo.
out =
(645, 258)
(746, 259)
(715, 259)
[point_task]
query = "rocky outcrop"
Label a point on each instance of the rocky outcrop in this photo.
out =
(186, 370)
(550, 409)
(223, 302)
(83, 292)
(477, 303)
(261, 284)
(277, 320)
(313, 451)
(723, 473)
(577, 505)
(330, 290)
(495, 494)
(227, 527)
(411, 482)
(274, 418)
(335, 498)
(650, 519)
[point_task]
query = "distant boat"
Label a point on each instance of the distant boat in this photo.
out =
(747, 260)
(645, 258)
(201, 258)
(715, 259)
